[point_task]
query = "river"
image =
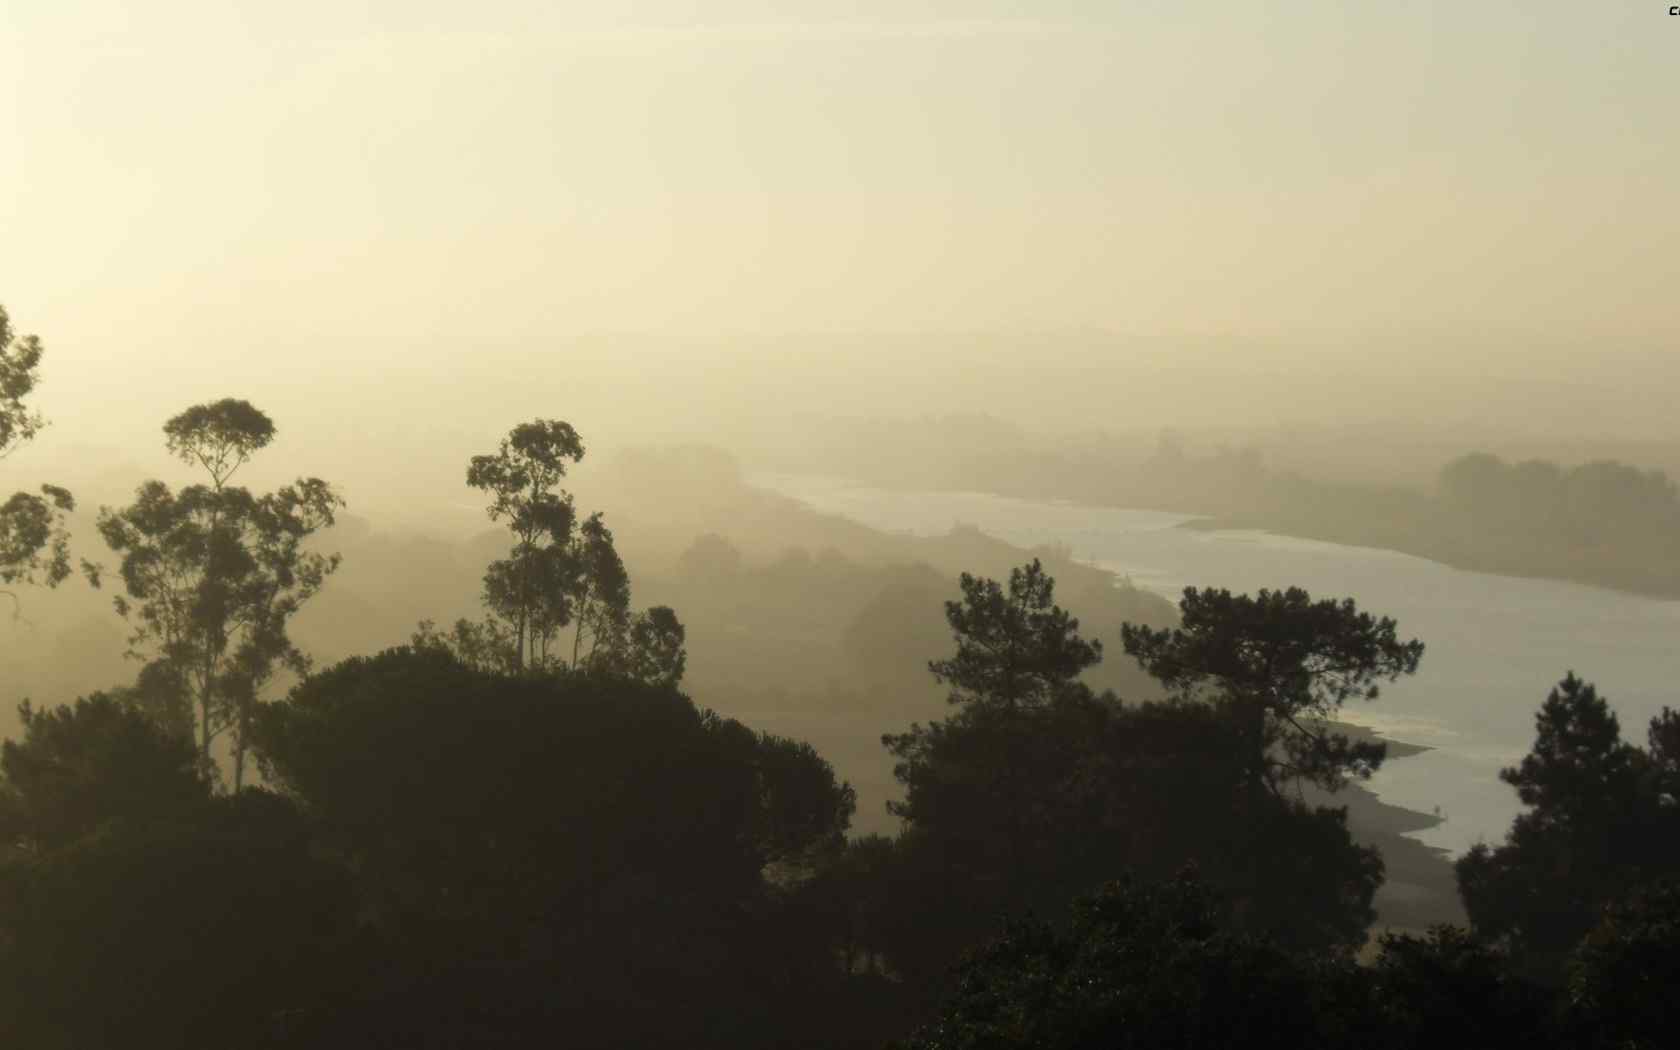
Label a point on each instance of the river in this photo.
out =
(1495, 644)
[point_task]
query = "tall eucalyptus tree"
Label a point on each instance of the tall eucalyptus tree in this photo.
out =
(212, 574)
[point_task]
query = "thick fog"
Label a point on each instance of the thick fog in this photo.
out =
(674, 218)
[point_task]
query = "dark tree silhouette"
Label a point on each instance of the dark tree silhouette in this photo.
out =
(572, 856)
(560, 572)
(1014, 647)
(213, 574)
(1037, 790)
(980, 782)
(1600, 822)
(1281, 665)
(803, 810)
(522, 478)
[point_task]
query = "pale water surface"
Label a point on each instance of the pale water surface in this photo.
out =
(1495, 644)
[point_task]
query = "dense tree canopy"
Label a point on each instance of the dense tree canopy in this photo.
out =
(79, 768)
(1620, 992)
(1134, 966)
(597, 842)
(1161, 965)
(436, 768)
(204, 928)
(1282, 665)
(1037, 789)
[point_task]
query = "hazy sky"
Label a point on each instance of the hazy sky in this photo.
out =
(201, 197)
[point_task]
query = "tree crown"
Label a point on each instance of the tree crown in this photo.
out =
(1014, 647)
(220, 436)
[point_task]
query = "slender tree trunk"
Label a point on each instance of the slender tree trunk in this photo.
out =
(204, 726)
(519, 639)
(240, 728)
(577, 638)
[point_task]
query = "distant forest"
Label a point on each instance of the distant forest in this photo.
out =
(570, 805)
(1602, 522)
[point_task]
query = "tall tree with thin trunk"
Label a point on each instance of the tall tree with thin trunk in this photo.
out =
(213, 574)
(560, 572)
(522, 479)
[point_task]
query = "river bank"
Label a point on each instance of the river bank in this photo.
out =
(1420, 888)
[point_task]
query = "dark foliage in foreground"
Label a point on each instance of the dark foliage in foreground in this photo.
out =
(1037, 789)
(173, 932)
(457, 858)
(460, 857)
(1161, 965)
(577, 856)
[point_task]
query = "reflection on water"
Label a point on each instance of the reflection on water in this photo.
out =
(1496, 644)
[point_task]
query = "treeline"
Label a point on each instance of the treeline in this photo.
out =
(461, 849)
(450, 855)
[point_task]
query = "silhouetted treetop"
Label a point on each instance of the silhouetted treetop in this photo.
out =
(1578, 755)
(1284, 664)
(218, 436)
(213, 574)
(528, 589)
(522, 474)
(1600, 823)
(1014, 647)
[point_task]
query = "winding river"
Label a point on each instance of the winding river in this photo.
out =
(1495, 644)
